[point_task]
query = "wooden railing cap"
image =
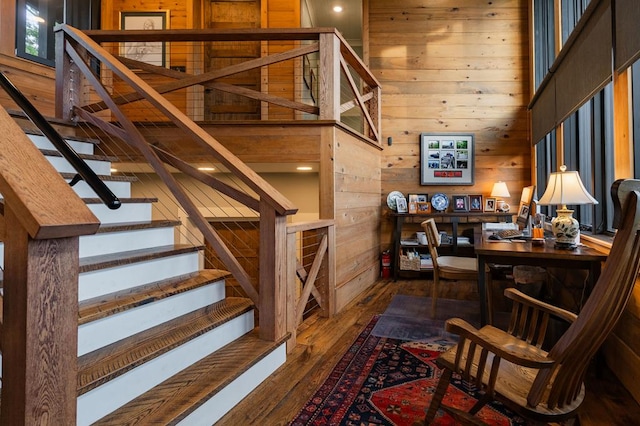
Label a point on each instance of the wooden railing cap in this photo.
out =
(43, 202)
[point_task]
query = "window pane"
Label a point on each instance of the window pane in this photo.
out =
(36, 19)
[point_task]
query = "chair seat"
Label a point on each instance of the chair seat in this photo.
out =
(458, 264)
(513, 382)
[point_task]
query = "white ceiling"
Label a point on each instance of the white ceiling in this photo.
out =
(348, 22)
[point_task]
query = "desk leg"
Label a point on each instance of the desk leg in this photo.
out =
(482, 290)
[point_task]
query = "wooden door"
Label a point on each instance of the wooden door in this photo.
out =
(222, 14)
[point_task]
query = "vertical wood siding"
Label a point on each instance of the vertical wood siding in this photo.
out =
(451, 66)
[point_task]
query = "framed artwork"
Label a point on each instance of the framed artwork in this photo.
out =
(475, 203)
(150, 52)
(401, 204)
(489, 204)
(526, 204)
(423, 208)
(460, 203)
(446, 158)
(413, 203)
(423, 198)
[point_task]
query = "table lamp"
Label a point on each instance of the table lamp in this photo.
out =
(565, 188)
(500, 190)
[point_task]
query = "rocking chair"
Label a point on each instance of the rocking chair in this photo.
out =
(511, 366)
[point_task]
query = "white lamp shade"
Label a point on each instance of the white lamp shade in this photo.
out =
(500, 190)
(566, 188)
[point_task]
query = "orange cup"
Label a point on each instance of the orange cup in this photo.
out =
(538, 233)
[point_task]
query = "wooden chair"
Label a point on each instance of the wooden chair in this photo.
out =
(446, 267)
(511, 366)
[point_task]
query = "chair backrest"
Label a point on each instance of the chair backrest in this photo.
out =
(596, 320)
(433, 239)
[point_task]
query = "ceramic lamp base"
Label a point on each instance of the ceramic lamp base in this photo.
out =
(565, 229)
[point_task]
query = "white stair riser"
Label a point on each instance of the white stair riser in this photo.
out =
(220, 404)
(97, 403)
(128, 212)
(113, 242)
(63, 166)
(104, 281)
(80, 147)
(103, 332)
(120, 189)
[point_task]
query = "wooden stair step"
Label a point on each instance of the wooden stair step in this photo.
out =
(104, 364)
(103, 306)
(177, 397)
(132, 226)
(122, 200)
(93, 263)
(54, 153)
(110, 178)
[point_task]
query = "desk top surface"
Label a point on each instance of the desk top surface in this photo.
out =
(525, 249)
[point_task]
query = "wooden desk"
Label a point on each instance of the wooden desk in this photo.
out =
(524, 253)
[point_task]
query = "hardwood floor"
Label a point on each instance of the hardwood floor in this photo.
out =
(322, 341)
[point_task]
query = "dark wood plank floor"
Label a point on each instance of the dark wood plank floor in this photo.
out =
(322, 341)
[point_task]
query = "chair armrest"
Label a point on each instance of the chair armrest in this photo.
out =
(519, 297)
(500, 343)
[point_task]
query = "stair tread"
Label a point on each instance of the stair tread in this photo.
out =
(130, 226)
(104, 364)
(122, 200)
(111, 178)
(103, 306)
(92, 263)
(175, 398)
(54, 153)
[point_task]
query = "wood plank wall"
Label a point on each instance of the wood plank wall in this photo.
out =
(350, 193)
(451, 66)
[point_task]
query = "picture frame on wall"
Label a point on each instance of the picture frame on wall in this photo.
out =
(490, 204)
(447, 158)
(150, 52)
(460, 203)
(475, 203)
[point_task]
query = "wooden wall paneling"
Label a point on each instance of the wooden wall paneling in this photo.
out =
(8, 27)
(447, 67)
(623, 125)
(35, 81)
(232, 14)
(281, 76)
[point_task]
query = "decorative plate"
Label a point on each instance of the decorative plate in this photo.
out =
(391, 199)
(439, 202)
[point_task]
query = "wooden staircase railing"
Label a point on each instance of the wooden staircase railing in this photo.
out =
(41, 224)
(326, 78)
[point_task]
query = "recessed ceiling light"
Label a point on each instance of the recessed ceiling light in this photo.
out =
(206, 169)
(337, 9)
(304, 168)
(114, 170)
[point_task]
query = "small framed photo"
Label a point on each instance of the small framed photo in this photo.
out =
(413, 201)
(523, 212)
(460, 203)
(401, 204)
(424, 208)
(475, 203)
(423, 198)
(150, 52)
(489, 204)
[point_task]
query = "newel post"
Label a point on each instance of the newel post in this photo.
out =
(40, 329)
(273, 273)
(329, 78)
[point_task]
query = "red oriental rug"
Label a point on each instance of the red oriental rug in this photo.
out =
(388, 381)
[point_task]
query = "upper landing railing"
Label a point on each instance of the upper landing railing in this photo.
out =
(251, 74)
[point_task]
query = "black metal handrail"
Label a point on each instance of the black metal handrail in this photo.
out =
(84, 171)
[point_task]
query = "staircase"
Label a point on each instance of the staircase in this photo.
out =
(158, 340)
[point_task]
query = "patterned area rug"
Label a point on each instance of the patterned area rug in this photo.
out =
(389, 381)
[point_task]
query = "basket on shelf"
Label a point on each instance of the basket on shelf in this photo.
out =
(409, 263)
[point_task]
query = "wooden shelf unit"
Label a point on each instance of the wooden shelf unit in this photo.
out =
(444, 220)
